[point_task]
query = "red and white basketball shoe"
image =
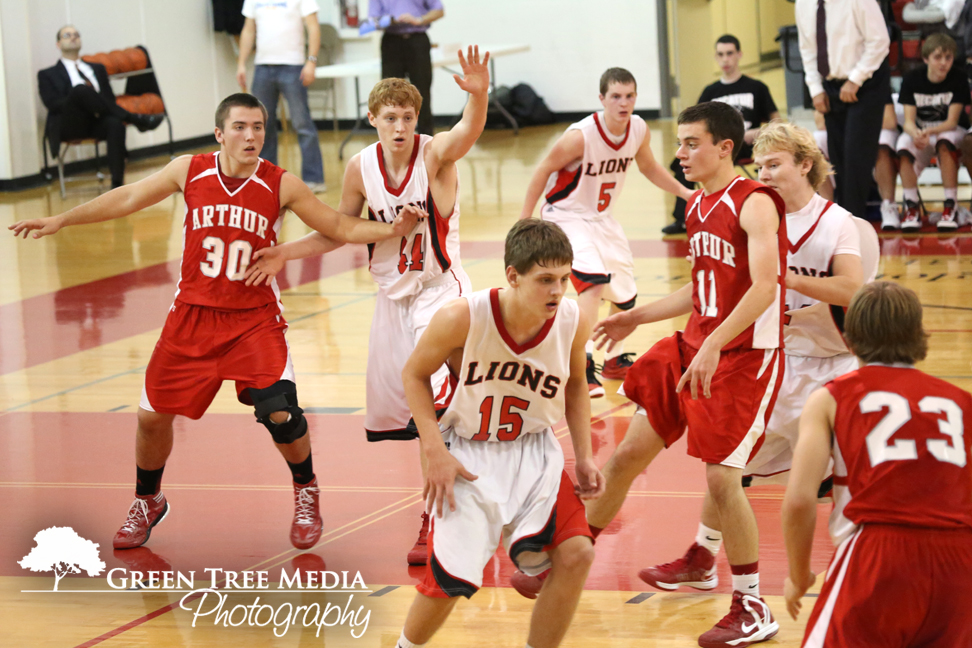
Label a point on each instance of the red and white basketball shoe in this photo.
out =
(695, 569)
(308, 525)
(617, 367)
(749, 621)
(146, 511)
(419, 554)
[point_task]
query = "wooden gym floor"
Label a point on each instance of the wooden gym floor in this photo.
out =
(80, 313)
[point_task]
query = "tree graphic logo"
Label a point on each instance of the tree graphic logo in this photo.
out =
(63, 551)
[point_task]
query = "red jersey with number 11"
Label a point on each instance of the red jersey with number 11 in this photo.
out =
(222, 229)
(720, 266)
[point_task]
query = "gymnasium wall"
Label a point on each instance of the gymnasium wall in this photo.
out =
(571, 42)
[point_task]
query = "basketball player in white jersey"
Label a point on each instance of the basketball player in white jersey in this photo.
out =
(825, 270)
(495, 468)
(416, 273)
(580, 178)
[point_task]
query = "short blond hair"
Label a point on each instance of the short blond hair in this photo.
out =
(798, 142)
(394, 92)
(883, 324)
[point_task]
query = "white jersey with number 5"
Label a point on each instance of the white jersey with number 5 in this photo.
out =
(507, 389)
(401, 266)
(590, 185)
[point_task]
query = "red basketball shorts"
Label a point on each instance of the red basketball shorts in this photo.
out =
(726, 428)
(896, 586)
(200, 347)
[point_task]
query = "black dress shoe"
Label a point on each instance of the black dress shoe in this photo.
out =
(678, 227)
(145, 122)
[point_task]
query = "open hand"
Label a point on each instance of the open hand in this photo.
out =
(700, 372)
(265, 264)
(475, 74)
(612, 330)
(39, 226)
(406, 220)
(793, 593)
(440, 480)
(241, 78)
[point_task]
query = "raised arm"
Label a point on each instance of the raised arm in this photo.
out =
(569, 147)
(297, 196)
(810, 459)
(451, 145)
(117, 203)
(578, 414)
(656, 173)
(443, 340)
(760, 220)
(247, 40)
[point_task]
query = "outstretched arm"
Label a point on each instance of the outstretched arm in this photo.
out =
(569, 147)
(451, 145)
(297, 196)
(578, 405)
(656, 173)
(444, 339)
(810, 459)
(117, 203)
(617, 327)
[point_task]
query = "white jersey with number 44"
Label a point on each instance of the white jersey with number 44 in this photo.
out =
(402, 265)
(590, 185)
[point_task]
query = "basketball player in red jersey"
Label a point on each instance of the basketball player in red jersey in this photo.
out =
(902, 520)
(420, 272)
(218, 328)
(719, 377)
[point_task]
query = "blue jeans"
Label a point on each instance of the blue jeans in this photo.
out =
(269, 81)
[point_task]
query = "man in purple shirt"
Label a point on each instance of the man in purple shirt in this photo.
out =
(405, 47)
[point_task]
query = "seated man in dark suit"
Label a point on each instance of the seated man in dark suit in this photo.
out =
(81, 104)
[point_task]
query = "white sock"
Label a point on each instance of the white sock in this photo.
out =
(887, 202)
(589, 347)
(615, 352)
(405, 643)
(746, 583)
(951, 194)
(911, 194)
(709, 538)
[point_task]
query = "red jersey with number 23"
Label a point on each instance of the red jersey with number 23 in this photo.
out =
(720, 266)
(222, 229)
(901, 450)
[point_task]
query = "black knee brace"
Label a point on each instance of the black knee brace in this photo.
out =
(279, 397)
(628, 305)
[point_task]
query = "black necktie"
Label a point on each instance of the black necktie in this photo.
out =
(823, 65)
(87, 81)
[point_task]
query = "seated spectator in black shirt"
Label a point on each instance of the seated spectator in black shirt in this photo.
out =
(81, 104)
(750, 97)
(934, 97)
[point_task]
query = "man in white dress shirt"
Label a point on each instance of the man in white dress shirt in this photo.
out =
(81, 104)
(844, 45)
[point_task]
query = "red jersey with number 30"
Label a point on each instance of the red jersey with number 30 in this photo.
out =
(720, 266)
(901, 450)
(222, 229)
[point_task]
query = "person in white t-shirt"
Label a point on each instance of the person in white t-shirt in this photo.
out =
(284, 66)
